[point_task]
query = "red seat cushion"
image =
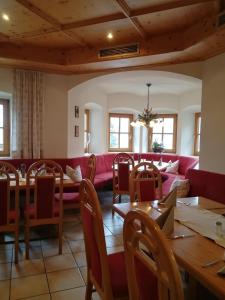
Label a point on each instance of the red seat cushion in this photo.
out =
(118, 275)
(68, 197)
(31, 210)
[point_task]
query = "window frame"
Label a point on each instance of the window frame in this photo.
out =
(130, 133)
(6, 127)
(196, 134)
(150, 133)
(87, 130)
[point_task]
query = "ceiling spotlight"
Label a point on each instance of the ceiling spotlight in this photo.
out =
(5, 17)
(110, 35)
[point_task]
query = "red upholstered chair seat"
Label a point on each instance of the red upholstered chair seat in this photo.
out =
(69, 197)
(31, 210)
(118, 276)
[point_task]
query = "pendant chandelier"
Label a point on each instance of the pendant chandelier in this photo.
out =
(147, 118)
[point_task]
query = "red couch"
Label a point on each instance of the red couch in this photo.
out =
(104, 166)
(207, 184)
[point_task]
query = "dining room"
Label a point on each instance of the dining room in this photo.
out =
(112, 171)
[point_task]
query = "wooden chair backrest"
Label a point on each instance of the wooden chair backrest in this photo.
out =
(44, 177)
(148, 252)
(94, 239)
(123, 163)
(8, 176)
(91, 168)
(145, 182)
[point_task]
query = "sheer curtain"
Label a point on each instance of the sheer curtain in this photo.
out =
(27, 114)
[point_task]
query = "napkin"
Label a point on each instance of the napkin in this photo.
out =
(170, 199)
(166, 221)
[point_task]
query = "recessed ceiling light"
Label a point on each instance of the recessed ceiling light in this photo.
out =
(5, 17)
(110, 35)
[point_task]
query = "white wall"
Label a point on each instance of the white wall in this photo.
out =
(80, 96)
(213, 115)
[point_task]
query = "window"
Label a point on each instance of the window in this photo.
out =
(197, 133)
(165, 133)
(86, 130)
(4, 128)
(120, 132)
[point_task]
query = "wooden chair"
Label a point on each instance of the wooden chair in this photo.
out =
(145, 183)
(42, 180)
(72, 200)
(123, 163)
(152, 271)
(9, 212)
(106, 273)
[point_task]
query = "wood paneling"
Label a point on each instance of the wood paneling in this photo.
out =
(66, 35)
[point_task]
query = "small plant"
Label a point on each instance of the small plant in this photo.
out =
(157, 147)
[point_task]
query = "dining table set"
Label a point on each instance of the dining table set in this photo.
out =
(197, 240)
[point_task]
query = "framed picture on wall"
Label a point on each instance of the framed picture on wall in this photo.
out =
(76, 131)
(76, 111)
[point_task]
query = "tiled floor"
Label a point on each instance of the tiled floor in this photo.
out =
(48, 275)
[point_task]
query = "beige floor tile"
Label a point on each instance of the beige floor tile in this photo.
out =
(77, 246)
(5, 271)
(116, 229)
(28, 268)
(41, 297)
(107, 231)
(35, 252)
(28, 286)
(59, 262)
(63, 280)
(95, 296)
(112, 241)
(83, 271)
(4, 289)
(80, 258)
(52, 250)
(73, 294)
(6, 256)
(113, 221)
(115, 249)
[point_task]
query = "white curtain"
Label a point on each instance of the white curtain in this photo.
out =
(27, 114)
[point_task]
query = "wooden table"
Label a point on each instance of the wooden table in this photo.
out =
(22, 184)
(191, 252)
(161, 167)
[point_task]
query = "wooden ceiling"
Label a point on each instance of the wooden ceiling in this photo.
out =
(66, 35)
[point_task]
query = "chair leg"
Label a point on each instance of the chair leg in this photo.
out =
(27, 240)
(89, 289)
(16, 245)
(60, 230)
(120, 198)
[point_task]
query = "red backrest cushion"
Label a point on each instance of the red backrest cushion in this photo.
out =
(147, 190)
(3, 202)
(100, 164)
(45, 196)
(82, 162)
(108, 158)
(123, 176)
(146, 281)
(185, 163)
(88, 223)
(207, 184)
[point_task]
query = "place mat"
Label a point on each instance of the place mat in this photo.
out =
(201, 221)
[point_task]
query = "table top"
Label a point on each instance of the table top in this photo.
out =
(67, 182)
(194, 251)
(160, 167)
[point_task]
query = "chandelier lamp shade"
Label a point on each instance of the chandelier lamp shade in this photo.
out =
(147, 118)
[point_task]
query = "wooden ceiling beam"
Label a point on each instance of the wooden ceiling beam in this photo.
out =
(166, 6)
(134, 21)
(56, 25)
(4, 37)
